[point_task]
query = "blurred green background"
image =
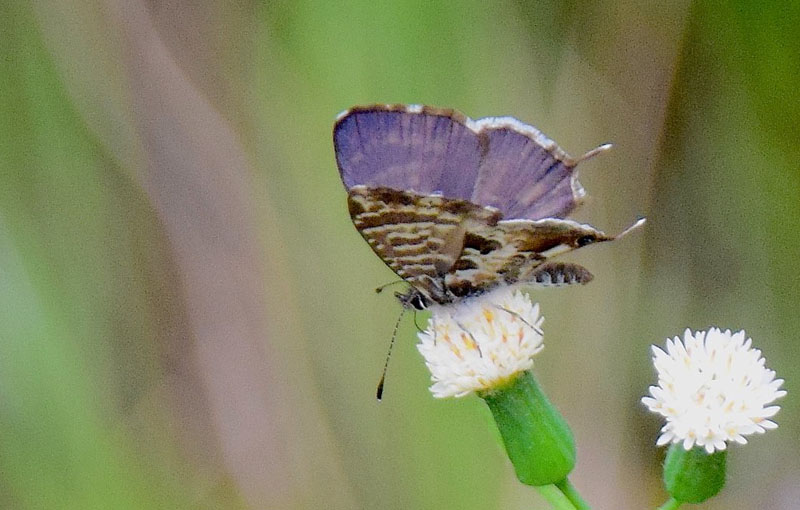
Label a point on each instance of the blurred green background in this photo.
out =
(187, 315)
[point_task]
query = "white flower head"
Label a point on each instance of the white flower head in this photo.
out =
(480, 343)
(712, 388)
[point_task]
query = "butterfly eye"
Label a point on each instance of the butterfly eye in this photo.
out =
(418, 302)
(584, 240)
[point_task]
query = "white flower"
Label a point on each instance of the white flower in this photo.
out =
(712, 388)
(480, 343)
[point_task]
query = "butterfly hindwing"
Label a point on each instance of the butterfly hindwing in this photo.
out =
(524, 171)
(518, 251)
(449, 248)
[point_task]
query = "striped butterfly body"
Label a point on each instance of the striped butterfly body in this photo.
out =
(457, 207)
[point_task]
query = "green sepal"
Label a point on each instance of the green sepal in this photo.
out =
(537, 438)
(693, 476)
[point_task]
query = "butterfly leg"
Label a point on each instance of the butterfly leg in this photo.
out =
(518, 316)
(474, 342)
(443, 286)
(445, 294)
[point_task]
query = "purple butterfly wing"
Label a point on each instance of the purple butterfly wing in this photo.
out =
(421, 149)
(523, 173)
(497, 162)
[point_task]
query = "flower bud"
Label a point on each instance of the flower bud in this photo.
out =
(694, 475)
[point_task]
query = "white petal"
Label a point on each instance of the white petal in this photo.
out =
(466, 346)
(769, 424)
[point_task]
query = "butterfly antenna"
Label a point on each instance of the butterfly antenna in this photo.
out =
(594, 152)
(639, 223)
(378, 290)
(379, 391)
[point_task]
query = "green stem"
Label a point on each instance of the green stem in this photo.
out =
(555, 497)
(537, 438)
(572, 495)
(670, 504)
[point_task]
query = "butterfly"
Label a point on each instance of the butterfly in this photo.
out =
(458, 207)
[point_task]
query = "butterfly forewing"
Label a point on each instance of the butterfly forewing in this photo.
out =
(419, 236)
(385, 146)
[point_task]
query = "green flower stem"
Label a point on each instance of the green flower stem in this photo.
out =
(572, 494)
(555, 497)
(670, 504)
(537, 438)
